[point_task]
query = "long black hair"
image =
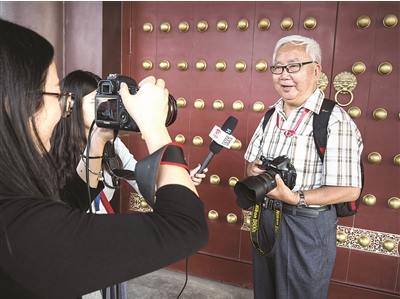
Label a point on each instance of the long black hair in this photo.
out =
(26, 169)
(69, 138)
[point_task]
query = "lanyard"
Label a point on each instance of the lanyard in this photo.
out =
(255, 224)
(103, 198)
(289, 133)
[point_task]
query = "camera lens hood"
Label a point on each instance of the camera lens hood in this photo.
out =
(249, 191)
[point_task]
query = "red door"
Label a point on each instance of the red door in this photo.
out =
(214, 57)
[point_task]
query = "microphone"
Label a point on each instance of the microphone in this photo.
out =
(215, 148)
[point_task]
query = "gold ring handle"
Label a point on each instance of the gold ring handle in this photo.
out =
(344, 83)
(344, 91)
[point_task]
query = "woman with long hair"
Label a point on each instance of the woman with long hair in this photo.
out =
(51, 248)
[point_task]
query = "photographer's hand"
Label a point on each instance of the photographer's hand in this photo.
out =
(98, 139)
(149, 110)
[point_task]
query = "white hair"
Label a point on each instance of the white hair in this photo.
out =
(312, 47)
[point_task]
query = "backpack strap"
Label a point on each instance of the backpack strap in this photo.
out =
(320, 133)
(320, 125)
(267, 116)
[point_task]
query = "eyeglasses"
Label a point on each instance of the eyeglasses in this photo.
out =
(65, 99)
(290, 68)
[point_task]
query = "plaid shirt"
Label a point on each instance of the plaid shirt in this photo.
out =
(341, 165)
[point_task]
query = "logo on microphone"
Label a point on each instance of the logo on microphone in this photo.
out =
(216, 133)
(222, 138)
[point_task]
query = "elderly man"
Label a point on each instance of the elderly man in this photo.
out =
(297, 240)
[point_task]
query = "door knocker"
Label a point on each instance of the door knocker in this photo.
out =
(322, 82)
(344, 83)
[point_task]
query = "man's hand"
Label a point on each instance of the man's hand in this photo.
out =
(283, 193)
(252, 168)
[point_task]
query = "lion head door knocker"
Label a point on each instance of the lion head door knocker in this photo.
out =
(322, 82)
(344, 83)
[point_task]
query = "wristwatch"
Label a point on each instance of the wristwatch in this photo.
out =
(302, 201)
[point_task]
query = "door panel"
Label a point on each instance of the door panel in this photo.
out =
(365, 259)
(226, 86)
(373, 91)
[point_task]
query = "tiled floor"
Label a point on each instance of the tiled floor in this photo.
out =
(166, 284)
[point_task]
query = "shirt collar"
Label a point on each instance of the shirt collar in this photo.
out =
(313, 103)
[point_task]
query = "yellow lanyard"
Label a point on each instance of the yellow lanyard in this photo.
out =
(255, 224)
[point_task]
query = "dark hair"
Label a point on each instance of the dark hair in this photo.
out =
(69, 136)
(26, 167)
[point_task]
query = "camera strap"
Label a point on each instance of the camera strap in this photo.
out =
(255, 225)
(111, 158)
(145, 172)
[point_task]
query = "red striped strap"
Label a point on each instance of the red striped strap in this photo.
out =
(173, 155)
(106, 203)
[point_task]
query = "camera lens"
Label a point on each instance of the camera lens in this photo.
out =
(268, 180)
(252, 190)
(172, 111)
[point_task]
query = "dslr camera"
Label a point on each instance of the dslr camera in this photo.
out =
(110, 111)
(251, 190)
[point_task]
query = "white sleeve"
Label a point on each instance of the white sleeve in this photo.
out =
(128, 161)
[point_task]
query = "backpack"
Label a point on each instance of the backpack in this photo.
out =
(320, 124)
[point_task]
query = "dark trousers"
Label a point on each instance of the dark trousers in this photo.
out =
(305, 253)
(115, 292)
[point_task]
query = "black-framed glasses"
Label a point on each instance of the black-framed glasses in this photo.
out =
(65, 99)
(290, 68)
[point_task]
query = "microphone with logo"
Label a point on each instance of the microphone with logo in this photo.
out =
(222, 137)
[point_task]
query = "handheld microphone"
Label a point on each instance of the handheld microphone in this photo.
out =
(215, 148)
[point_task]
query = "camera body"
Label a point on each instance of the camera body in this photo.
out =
(252, 190)
(110, 111)
(282, 166)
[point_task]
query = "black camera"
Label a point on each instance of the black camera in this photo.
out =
(110, 111)
(252, 190)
